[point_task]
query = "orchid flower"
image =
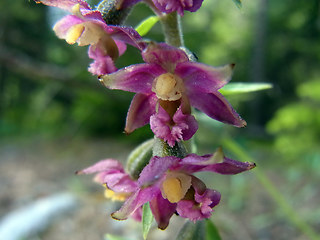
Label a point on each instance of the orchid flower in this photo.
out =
(169, 185)
(168, 6)
(87, 27)
(170, 81)
(119, 185)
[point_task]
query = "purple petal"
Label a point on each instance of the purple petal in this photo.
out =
(168, 6)
(182, 128)
(122, 47)
(103, 165)
(120, 182)
(64, 4)
(141, 108)
(213, 195)
(62, 27)
(137, 214)
(229, 166)
(156, 169)
(128, 35)
(216, 107)
(135, 78)
(102, 64)
(202, 78)
(166, 56)
(200, 208)
(193, 163)
(159, 124)
(162, 210)
(135, 201)
(179, 118)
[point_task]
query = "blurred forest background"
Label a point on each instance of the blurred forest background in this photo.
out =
(56, 118)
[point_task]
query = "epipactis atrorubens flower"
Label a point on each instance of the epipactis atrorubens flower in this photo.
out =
(167, 85)
(87, 27)
(168, 6)
(169, 185)
(119, 185)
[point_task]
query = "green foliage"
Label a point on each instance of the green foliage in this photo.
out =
(113, 237)
(237, 88)
(212, 231)
(296, 126)
(144, 27)
(238, 3)
(192, 231)
(147, 219)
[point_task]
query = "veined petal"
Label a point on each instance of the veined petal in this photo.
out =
(128, 35)
(141, 108)
(202, 78)
(162, 210)
(136, 200)
(103, 165)
(166, 56)
(216, 107)
(120, 182)
(135, 78)
(229, 166)
(193, 163)
(156, 169)
(64, 4)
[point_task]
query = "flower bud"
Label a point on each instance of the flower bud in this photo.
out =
(139, 158)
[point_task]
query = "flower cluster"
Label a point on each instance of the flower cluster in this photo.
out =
(168, 184)
(168, 85)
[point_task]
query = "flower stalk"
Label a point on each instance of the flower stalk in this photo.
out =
(171, 25)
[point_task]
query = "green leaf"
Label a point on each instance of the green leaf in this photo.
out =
(238, 3)
(236, 88)
(144, 27)
(147, 219)
(192, 231)
(212, 232)
(113, 237)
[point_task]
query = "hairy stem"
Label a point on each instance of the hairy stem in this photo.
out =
(171, 25)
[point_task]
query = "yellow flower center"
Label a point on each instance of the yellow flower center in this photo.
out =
(74, 33)
(115, 196)
(168, 87)
(175, 186)
(172, 189)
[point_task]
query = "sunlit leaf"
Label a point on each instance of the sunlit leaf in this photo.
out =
(212, 232)
(147, 219)
(192, 231)
(236, 88)
(113, 237)
(144, 27)
(238, 3)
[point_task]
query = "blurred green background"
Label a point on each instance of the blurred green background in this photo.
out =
(48, 100)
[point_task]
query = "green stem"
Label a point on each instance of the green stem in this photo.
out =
(171, 25)
(110, 12)
(279, 199)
